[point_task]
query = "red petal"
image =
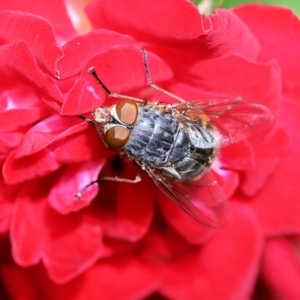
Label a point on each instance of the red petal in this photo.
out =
(16, 104)
(122, 69)
(82, 99)
(32, 158)
(8, 141)
(36, 33)
(231, 258)
(67, 245)
(83, 146)
(6, 208)
(135, 212)
(238, 156)
(277, 30)
(193, 231)
(227, 34)
(212, 199)
(13, 276)
(281, 269)
(7, 197)
(267, 155)
(71, 181)
(18, 67)
(182, 26)
(134, 279)
(29, 167)
(277, 205)
(126, 210)
(226, 77)
(55, 11)
(229, 180)
(142, 19)
(80, 49)
(49, 130)
(208, 206)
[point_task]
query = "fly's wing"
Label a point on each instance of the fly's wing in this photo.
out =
(202, 199)
(210, 124)
(235, 120)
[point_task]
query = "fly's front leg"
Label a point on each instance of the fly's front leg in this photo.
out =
(154, 86)
(137, 179)
(109, 92)
(85, 119)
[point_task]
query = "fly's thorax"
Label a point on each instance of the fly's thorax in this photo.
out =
(156, 138)
(114, 122)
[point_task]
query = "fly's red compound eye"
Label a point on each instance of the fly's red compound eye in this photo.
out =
(116, 137)
(127, 111)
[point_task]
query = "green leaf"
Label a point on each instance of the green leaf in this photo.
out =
(293, 4)
(207, 7)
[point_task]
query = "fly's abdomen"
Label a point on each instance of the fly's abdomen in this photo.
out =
(156, 138)
(203, 142)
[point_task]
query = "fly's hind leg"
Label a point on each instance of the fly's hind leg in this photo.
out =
(154, 86)
(137, 179)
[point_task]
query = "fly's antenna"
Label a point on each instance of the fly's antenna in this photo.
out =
(94, 73)
(145, 58)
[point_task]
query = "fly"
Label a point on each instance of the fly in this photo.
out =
(176, 144)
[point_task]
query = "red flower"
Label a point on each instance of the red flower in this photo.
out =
(129, 241)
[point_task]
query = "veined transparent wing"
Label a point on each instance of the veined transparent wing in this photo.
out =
(203, 199)
(235, 120)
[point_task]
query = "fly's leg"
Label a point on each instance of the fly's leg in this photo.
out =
(85, 119)
(137, 179)
(154, 86)
(150, 84)
(109, 92)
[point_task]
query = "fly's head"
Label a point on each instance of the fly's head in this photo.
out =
(115, 122)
